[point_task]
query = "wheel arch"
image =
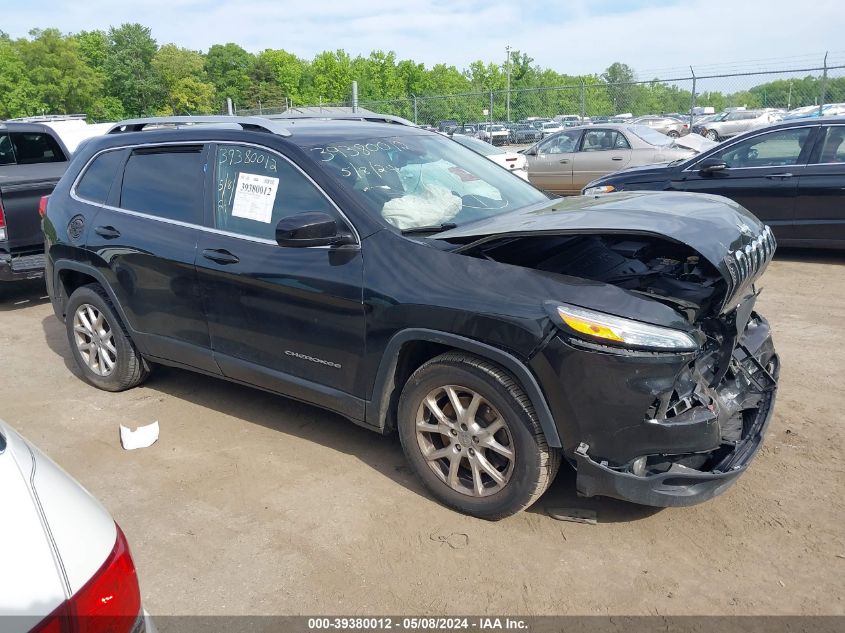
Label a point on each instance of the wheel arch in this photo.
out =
(68, 275)
(410, 348)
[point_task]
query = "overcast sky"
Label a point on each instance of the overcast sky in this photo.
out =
(572, 36)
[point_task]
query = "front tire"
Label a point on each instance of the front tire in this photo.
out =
(101, 348)
(473, 438)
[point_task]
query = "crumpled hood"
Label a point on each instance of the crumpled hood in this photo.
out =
(735, 242)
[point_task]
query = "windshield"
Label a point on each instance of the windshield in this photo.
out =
(652, 137)
(549, 125)
(423, 180)
(477, 145)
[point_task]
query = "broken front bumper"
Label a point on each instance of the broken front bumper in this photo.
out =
(664, 430)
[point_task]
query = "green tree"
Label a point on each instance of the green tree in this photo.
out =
(181, 73)
(328, 78)
(229, 67)
(128, 68)
(62, 81)
(93, 46)
(19, 95)
(276, 76)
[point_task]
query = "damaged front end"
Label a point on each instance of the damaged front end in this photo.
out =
(656, 425)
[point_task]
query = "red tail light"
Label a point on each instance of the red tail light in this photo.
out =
(108, 603)
(42, 205)
(3, 235)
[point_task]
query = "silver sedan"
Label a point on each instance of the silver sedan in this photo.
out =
(567, 161)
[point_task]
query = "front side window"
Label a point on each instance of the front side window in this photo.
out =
(776, 149)
(833, 148)
(561, 143)
(603, 140)
(166, 182)
(256, 188)
(414, 180)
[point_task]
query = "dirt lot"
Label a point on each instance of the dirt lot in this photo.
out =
(251, 503)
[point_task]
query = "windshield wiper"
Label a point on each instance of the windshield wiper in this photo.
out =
(435, 228)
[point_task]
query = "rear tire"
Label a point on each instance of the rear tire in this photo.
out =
(100, 346)
(712, 135)
(488, 456)
(673, 134)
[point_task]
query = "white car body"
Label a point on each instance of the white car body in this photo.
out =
(552, 127)
(56, 539)
(512, 161)
(496, 134)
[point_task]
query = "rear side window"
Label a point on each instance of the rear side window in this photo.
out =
(97, 180)
(27, 148)
(165, 182)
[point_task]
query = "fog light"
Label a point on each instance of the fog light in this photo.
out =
(638, 466)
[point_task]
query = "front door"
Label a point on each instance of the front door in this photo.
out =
(550, 168)
(290, 320)
(762, 175)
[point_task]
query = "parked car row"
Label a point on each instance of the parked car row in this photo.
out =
(791, 175)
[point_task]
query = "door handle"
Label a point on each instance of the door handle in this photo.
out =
(564, 160)
(108, 232)
(221, 256)
(616, 158)
(773, 176)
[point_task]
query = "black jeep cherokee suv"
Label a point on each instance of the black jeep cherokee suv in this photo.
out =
(395, 277)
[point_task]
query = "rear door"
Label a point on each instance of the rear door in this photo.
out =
(550, 168)
(602, 151)
(762, 175)
(147, 237)
(820, 207)
(286, 319)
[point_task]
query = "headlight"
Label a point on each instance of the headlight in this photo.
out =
(594, 191)
(613, 330)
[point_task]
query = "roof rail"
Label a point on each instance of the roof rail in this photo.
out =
(372, 117)
(252, 123)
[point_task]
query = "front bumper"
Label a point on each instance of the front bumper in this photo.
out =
(679, 485)
(663, 429)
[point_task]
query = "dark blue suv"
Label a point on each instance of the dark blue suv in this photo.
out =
(401, 280)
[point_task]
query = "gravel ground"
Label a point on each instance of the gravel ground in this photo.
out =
(254, 504)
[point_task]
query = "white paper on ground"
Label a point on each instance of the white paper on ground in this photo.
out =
(142, 437)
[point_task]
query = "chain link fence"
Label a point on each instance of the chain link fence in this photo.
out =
(684, 96)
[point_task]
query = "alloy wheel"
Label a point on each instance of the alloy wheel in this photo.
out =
(465, 441)
(94, 340)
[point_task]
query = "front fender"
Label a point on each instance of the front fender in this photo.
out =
(385, 387)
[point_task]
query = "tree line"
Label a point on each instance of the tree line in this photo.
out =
(123, 71)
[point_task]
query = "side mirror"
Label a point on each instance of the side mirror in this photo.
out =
(711, 165)
(313, 228)
(531, 151)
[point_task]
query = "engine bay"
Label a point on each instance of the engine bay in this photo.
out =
(657, 268)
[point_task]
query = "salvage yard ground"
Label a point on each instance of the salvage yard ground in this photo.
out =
(251, 503)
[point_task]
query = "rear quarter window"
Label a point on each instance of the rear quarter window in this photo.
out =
(28, 148)
(167, 183)
(97, 179)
